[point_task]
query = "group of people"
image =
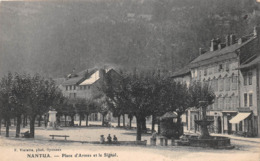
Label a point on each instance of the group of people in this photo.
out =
(109, 139)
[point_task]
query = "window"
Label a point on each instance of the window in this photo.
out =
(228, 101)
(72, 95)
(74, 87)
(216, 69)
(250, 75)
(216, 85)
(220, 67)
(245, 99)
(205, 72)
(245, 79)
(70, 87)
(216, 103)
(193, 73)
(88, 87)
(227, 84)
(220, 103)
(234, 82)
(221, 84)
(250, 99)
(67, 88)
(227, 67)
(234, 102)
(210, 71)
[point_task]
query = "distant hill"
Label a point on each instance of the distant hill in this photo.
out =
(52, 38)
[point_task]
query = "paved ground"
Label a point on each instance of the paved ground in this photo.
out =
(24, 149)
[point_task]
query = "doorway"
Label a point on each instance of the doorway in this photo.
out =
(229, 125)
(219, 125)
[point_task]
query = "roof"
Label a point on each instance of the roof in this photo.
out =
(92, 79)
(79, 77)
(251, 63)
(59, 81)
(219, 55)
(182, 72)
(169, 115)
(72, 81)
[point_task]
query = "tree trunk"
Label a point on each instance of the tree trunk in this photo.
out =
(179, 125)
(32, 121)
(130, 122)
(87, 120)
(7, 127)
(118, 121)
(159, 126)
(18, 126)
(24, 120)
(103, 119)
(144, 129)
(45, 121)
(15, 121)
(72, 121)
(123, 120)
(153, 122)
(139, 129)
(65, 120)
(39, 121)
(80, 118)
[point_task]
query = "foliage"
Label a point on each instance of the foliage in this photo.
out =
(29, 95)
(200, 92)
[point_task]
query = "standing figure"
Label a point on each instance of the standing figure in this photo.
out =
(109, 139)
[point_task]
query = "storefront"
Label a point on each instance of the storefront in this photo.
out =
(243, 122)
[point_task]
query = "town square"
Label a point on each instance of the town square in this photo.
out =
(130, 80)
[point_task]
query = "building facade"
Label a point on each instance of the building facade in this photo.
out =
(86, 84)
(236, 106)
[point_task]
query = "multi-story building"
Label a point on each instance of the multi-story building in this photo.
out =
(250, 95)
(86, 84)
(222, 68)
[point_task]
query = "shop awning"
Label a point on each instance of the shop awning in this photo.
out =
(239, 117)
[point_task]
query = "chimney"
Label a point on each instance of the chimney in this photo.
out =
(102, 73)
(202, 51)
(241, 40)
(232, 39)
(86, 73)
(227, 40)
(213, 45)
(256, 30)
(221, 46)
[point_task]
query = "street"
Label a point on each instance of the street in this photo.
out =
(22, 149)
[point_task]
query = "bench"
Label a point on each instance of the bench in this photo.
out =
(65, 136)
(25, 134)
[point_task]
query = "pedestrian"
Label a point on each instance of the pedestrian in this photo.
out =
(109, 139)
(102, 139)
(115, 138)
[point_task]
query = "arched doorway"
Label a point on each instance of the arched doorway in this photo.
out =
(219, 125)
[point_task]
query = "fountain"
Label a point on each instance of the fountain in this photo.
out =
(205, 140)
(52, 124)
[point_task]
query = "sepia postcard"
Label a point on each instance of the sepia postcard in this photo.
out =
(130, 80)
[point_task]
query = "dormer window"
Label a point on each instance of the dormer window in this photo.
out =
(227, 67)
(205, 72)
(220, 67)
